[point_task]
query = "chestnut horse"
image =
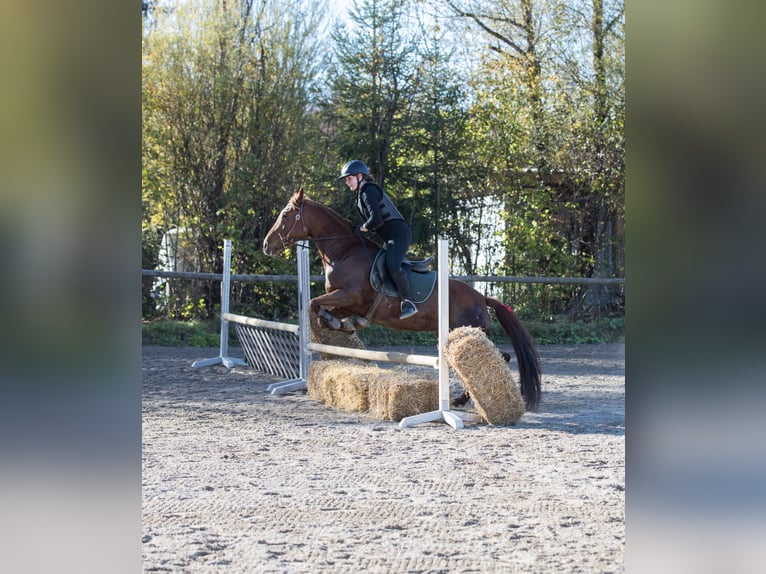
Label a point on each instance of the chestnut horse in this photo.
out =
(347, 262)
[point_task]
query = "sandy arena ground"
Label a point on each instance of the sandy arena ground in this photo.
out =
(238, 480)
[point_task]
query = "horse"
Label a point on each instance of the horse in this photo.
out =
(349, 295)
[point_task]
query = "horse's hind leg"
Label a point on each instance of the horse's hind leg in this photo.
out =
(461, 400)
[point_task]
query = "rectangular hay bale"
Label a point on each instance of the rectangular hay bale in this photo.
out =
(396, 394)
(350, 392)
(315, 379)
(341, 384)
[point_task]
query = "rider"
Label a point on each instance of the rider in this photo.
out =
(380, 215)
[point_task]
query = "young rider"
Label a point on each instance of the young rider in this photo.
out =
(380, 215)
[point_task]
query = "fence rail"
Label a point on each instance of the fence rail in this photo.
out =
(246, 278)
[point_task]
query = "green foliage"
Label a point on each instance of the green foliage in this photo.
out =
(372, 81)
(167, 333)
(564, 331)
(507, 137)
(227, 128)
(554, 331)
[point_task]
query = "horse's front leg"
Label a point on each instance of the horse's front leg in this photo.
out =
(321, 305)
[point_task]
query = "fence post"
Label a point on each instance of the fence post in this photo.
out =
(304, 296)
(223, 357)
(452, 418)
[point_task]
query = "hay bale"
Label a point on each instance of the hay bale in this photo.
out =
(485, 375)
(315, 379)
(342, 384)
(396, 394)
(359, 386)
(350, 391)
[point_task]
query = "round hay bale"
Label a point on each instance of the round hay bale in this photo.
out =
(395, 394)
(485, 376)
(460, 332)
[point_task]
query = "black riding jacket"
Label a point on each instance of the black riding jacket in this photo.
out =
(374, 206)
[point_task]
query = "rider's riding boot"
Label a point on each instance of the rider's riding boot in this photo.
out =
(403, 286)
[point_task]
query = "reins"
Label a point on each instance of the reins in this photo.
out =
(287, 241)
(323, 237)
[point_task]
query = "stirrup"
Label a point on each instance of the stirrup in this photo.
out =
(411, 309)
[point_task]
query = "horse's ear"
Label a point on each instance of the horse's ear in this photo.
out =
(297, 198)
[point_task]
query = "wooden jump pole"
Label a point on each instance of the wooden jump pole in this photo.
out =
(387, 356)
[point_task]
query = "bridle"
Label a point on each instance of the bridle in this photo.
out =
(288, 241)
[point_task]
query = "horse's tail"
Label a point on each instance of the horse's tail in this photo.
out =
(526, 354)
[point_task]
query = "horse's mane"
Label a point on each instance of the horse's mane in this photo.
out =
(342, 225)
(328, 210)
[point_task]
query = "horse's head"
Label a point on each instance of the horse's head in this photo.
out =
(288, 228)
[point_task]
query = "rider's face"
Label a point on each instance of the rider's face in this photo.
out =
(352, 181)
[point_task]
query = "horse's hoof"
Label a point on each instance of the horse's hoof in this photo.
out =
(332, 321)
(359, 322)
(347, 326)
(461, 400)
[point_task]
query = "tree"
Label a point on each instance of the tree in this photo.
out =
(547, 124)
(514, 27)
(429, 156)
(591, 152)
(372, 80)
(225, 121)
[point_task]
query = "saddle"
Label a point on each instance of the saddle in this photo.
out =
(422, 279)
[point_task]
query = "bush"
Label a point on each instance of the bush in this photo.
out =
(552, 331)
(377, 336)
(167, 333)
(562, 330)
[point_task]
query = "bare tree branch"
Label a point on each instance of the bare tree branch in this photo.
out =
(613, 21)
(491, 31)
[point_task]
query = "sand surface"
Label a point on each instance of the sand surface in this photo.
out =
(238, 480)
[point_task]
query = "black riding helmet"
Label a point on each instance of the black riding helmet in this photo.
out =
(353, 167)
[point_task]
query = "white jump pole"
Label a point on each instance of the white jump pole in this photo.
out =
(303, 325)
(223, 357)
(452, 418)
